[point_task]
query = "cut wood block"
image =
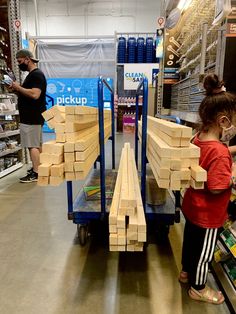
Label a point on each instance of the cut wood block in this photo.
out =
(185, 184)
(185, 142)
(60, 127)
(124, 187)
(74, 126)
(121, 232)
(120, 222)
(194, 162)
(55, 181)
(130, 247)
(57, 149)
(60, 137)
(170, 128)
(83, 119)
(175, 164)
(44, 170)
(162, 183)
(57, 109)
(138, 248)
(51, 123)
(121, 248)
(132, 236)
(86, 141)
(113, 248)
(43, 181)
(162, 173)
(69, 166)
(175, 184)
(56, 159)
(192, 151)
(171, 141)
(133, 224)
(85, 110)
(48, 114)
(196, 185)
(82, 165)
(59, 117)
(142, 236)
(69, 157)
(45, 158)
(113, 239)
(162, 161)
(198, 173)
(121, 240)
(69, 110)
(185, 162)
(69, 147)
(47, 146)
(116, 197)
(112, 228)
(81, 156)
(57, 170)
(70, 176)
(185, 174)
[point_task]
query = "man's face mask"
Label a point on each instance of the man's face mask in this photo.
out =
(23, 66)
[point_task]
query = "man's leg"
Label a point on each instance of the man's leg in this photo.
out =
(34, 156)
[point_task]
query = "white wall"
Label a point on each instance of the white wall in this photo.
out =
(84, 17)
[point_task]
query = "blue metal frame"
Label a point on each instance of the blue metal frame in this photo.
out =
(84, 217)
(143, 85)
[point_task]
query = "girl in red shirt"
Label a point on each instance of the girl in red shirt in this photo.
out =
(206, 210)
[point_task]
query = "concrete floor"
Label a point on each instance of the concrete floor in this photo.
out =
(43, 269)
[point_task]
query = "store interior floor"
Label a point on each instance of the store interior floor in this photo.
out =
(44, 270)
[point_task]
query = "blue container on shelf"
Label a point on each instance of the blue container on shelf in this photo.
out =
(140, 50)
(131, 47)
(121, 50)
(149, 50)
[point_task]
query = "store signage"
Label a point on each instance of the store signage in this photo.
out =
(231, 28)
(17, 25)
(161, 22)
(75, 92)
(134, 72)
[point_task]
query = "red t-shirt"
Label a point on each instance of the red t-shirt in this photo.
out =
(201, 207)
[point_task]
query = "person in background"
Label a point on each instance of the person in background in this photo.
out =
(206, 210)
(31, 103)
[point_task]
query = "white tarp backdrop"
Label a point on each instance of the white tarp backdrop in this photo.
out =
(86, 58)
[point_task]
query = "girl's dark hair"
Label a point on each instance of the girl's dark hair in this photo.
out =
(212, 84)
(215, 103)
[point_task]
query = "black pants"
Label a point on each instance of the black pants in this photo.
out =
(198, 249)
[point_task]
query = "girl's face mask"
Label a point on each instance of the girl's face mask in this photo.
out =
(228, 133)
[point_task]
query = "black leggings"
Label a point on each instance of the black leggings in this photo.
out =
(198, 249)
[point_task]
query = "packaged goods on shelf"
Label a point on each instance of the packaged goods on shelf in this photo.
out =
(76, 148)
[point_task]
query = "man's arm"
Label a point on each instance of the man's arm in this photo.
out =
(33, 93)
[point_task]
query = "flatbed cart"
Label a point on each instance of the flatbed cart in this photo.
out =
(158, 217)
(81, 211)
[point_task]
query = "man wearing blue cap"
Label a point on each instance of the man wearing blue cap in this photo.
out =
(31, 103)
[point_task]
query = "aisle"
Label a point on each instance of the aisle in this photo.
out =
(43, 270)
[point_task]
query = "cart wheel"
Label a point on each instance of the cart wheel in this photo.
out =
(82, 234)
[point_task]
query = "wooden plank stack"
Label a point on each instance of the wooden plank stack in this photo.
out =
(73, 153)
(127, 225)
(174, 160)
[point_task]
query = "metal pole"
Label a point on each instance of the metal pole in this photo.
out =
(203, 49)
(102, 150)
(113, 131)
(70, 200)
(136, 130)
(144, 141)
(36, 18)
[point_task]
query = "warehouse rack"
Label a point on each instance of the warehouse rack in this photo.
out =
(93, 210)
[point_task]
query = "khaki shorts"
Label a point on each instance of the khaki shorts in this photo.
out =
(31, 135)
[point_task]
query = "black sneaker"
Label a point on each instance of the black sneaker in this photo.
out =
(30, 170)
(31, 177)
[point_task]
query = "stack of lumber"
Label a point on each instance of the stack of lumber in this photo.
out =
(127, 225)
(174, 160)
(76, 147)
